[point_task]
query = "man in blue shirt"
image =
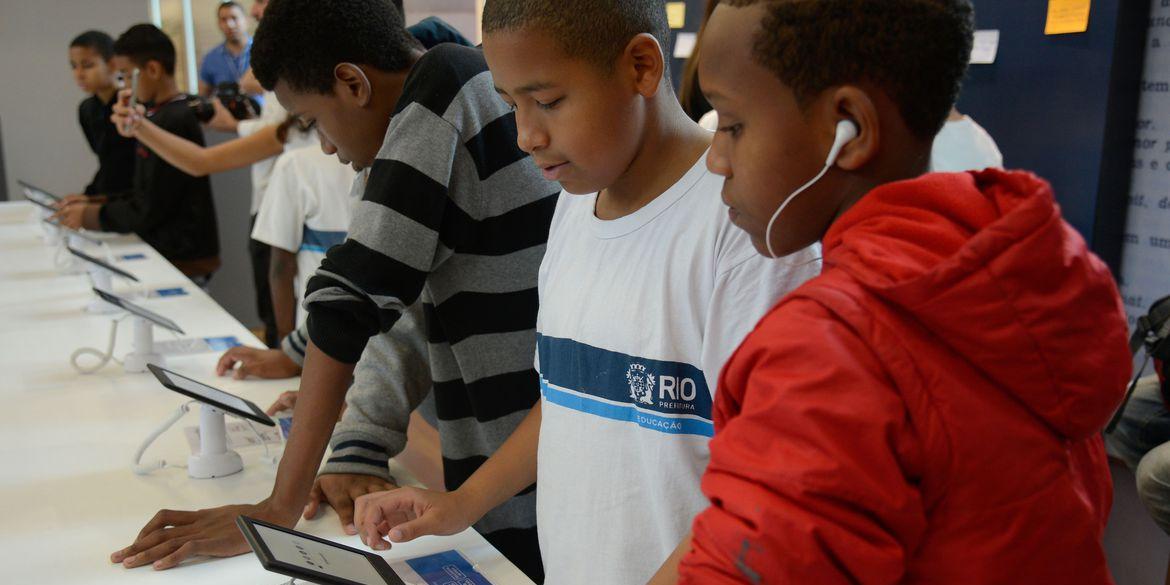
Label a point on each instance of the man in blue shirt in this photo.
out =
(228, 61)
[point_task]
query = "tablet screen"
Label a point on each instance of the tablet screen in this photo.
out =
(311, 555)
(145, 314)
(103, 265)
(213, 396)
(38, 195)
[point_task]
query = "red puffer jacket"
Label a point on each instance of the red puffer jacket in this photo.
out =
(928, 409)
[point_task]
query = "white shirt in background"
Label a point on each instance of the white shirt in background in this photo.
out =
(963, 145)
(307, 209)
(637, 316)
(271, 113)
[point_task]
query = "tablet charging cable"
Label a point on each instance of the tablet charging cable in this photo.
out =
(152, 466)
(268, 458)
(102, 357)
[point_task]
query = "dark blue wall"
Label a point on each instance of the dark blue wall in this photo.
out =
(1062, 106)
(1065, 106)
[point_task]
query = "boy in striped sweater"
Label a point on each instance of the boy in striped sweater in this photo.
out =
(454, 215)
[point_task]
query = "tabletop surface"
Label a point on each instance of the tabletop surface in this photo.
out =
(68, 496)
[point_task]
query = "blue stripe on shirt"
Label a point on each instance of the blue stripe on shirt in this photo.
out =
(320, 240)
(664, 396)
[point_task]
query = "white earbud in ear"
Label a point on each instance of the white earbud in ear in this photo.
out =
(846, 132)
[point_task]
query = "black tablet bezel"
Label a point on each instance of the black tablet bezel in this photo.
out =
(270, 563)
(26, 185)
(103, 265)
(164, 376)
(139, 311)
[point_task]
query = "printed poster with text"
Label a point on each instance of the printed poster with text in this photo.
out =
(1145, 265)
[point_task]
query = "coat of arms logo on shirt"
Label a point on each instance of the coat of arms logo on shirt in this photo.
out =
(641, 384)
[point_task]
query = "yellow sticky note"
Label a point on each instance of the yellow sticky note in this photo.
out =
(1067, 16)
(676, 14)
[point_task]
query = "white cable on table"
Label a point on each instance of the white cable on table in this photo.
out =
(153, 466)
(103, 357)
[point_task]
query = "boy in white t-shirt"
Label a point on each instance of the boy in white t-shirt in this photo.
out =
(305, 212)
(646, 288)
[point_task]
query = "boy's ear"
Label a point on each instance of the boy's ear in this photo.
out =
(352, 84)
(853, 103)
(152, 69)
(644, 57)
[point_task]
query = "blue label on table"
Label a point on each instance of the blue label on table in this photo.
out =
(221, 343)
(132, 257)
(447, 568)
(178, 291)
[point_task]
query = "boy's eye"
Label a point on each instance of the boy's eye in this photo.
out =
(549, 105)
(732, 130)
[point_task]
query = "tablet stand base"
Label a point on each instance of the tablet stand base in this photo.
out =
(142, 351)
(214, 458)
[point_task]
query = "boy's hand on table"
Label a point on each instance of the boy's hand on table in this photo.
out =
(407, 513)
(262, 363)
(340, 491)
(173, 536)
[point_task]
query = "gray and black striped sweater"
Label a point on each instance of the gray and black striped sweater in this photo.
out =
(454, 214)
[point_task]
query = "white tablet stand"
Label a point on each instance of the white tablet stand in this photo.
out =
(66, 261)
(142, 351)
(51, 233)
(101, 279)
(214, 458)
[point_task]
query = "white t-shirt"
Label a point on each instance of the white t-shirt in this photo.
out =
(963, 145)
(637, 316)
(271, 113)
(307, 209)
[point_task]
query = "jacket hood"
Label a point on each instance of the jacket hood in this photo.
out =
(985, 263)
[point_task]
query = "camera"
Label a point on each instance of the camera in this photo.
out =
(202, 107)
(237, 102)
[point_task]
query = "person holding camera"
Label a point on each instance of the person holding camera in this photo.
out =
(227, 61)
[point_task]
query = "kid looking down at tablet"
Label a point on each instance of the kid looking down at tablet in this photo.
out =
(929, 409)
(645, 290)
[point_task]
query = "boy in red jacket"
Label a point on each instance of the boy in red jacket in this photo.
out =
(928, 409)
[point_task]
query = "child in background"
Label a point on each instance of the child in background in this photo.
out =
(305, 212)
(169, 209)
(90, 56)
(928, 409)
(645, 289)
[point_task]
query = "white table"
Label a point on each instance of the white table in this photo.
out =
(68, 497)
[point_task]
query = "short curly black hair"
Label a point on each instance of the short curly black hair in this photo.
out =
(917, 51)
(301, 41)
(595, 30)
(95, 40)
(145, 42)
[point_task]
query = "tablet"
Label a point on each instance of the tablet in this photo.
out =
(102, 265)
(313, 559)
(39, 196)
(135, 309)
(208, 395)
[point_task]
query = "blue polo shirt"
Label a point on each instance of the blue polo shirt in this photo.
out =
(219, 65)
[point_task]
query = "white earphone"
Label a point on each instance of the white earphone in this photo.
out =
(846, 132)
